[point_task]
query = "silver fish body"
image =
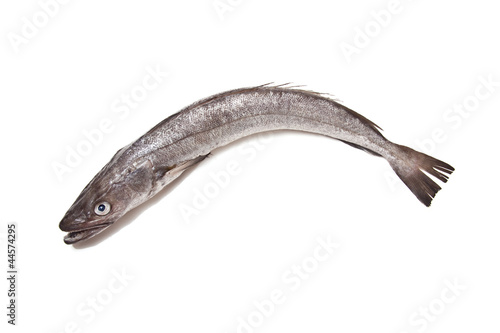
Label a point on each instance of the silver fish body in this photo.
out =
(140, 170)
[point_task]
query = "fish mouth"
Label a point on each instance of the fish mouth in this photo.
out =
(82, 234)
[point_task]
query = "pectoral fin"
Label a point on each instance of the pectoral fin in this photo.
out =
(165, 175)
(179, 168)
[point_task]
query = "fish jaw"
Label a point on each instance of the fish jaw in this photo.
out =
(76, 236)
(80, 227)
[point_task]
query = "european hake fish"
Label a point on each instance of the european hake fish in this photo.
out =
(140, 170)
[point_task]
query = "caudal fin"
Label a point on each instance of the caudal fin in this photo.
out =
(410, 168)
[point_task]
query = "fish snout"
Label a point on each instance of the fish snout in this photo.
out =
(80, 227)
(71, 223)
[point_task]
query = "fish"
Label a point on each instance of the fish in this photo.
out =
(182, 141)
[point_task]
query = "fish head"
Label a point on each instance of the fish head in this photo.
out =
(104, 200)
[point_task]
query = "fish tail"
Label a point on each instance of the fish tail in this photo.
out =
(410, 166)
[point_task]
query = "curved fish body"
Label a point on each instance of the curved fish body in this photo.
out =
(140, 170)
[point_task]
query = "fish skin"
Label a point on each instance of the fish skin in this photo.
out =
(141, 169)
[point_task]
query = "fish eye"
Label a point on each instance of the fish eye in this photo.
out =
(102, 208)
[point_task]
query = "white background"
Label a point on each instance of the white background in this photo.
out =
(395, 255)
